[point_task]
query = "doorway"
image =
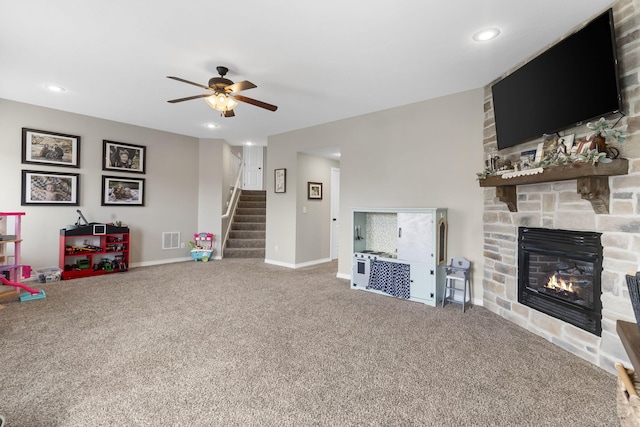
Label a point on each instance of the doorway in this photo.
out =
(335, 212)
(253, 167)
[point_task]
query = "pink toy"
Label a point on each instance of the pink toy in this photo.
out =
(33, 293)
(203, 246)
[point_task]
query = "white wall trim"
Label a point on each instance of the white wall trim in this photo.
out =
(159, 262)
(304, 264)
(343, 276)
(279, 263)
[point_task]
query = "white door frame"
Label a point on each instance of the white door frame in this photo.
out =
(335, 213)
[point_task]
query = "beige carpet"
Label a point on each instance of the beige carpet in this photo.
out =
(243, 343)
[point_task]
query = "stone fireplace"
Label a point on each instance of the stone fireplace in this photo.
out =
(558, 205)
(559, 274)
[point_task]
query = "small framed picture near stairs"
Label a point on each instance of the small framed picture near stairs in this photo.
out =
(280, 180)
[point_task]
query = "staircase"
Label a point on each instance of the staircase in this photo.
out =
(247, 234)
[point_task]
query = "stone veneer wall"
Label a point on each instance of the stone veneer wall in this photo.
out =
(557, 205)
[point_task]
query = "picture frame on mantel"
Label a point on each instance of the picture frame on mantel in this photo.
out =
(280, 181)
(314, 190)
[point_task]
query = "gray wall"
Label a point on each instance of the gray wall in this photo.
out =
(171, 199)
(213, 180)
(420, 155)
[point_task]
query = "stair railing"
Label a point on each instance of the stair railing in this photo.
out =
(231, 208)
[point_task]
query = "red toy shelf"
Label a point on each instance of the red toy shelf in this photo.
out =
(93, 250)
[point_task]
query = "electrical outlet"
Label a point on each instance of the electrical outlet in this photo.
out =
(182, 245)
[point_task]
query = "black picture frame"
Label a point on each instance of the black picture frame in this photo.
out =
(122, 191)
(280, 181)
(50, 188)
(123, 157)
(314, 190)
(50, 148)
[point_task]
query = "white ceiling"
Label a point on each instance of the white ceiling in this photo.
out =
(317, 61)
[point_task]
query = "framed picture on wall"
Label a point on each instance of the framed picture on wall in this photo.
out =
(118, 156)
(50, 188)
(119, 190)
(280, 180)
(50, 148)
(314, 190)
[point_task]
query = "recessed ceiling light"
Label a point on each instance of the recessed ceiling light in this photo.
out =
(211, 125)
(249, 143)
(486, 34)
(55, 88)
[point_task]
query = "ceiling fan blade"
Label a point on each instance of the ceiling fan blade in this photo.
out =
(229, 113)
(237, 87)
(255, 102)
(188, 98)
(187, 81)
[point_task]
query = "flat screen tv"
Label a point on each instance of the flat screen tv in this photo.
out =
(574, 81)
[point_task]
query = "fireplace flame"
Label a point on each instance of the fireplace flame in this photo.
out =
(559, 284)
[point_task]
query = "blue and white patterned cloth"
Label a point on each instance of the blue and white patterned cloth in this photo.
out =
(391, 278)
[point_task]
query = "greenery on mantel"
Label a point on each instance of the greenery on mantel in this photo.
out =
(606, 130)
(558, 159)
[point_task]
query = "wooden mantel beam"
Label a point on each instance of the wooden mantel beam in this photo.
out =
(592, 182)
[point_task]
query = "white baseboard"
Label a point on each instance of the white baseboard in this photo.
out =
(343, 276)
(303, 264)
(279, 263)
(159, 262)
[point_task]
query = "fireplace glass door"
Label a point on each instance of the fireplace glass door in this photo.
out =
(559, 274)
(562, 277)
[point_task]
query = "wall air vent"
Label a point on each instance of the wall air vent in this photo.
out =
(171, 240)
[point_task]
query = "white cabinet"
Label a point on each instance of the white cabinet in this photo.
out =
(415, 236)
(423, 283)
(412, 237)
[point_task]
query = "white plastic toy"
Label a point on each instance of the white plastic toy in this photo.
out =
(203, 246)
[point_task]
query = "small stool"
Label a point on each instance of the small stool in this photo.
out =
(457, 279)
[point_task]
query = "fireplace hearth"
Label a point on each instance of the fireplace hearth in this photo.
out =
(559, 274)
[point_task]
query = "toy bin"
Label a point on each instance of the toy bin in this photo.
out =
(202, 247)
(49, 274)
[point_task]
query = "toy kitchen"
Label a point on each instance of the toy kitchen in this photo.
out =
(399, 252)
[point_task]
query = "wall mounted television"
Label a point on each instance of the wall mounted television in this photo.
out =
(574, 81)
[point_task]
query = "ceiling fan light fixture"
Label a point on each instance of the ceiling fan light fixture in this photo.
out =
(221, 102)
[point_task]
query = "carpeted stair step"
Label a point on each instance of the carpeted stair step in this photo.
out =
(246, 243)
(244, 253)
(250, 218)
(244, 198)
(247, 234)
(251, 211)
(242, 204)
(249, 226)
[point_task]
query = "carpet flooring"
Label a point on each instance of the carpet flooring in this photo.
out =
(239, 342)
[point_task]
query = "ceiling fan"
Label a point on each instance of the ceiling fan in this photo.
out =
(224, 94)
